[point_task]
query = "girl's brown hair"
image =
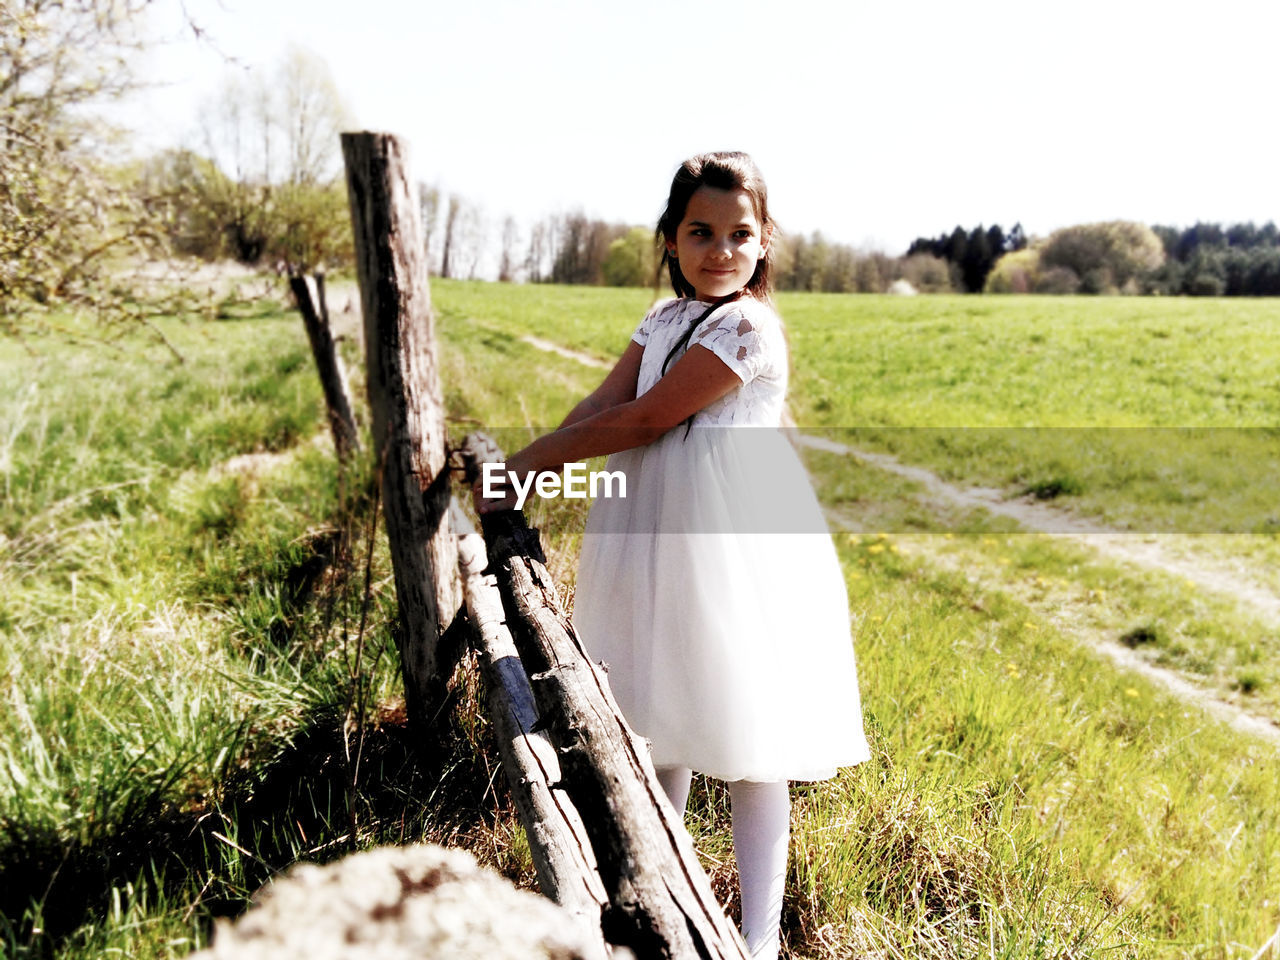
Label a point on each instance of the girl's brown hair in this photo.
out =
(724, 171)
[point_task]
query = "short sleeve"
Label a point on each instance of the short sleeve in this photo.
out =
(641, 336)
(736, 338)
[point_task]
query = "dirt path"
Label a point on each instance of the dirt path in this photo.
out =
(584, 358)
(1066, 616)
(1141, 549)
(1132, 548)
(1229, 713)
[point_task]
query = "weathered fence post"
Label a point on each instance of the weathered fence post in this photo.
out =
(309, 293)
(661, 905)
(407, 410)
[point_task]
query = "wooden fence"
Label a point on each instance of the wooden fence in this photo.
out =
(605, 842)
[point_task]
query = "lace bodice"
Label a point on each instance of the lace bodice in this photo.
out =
(746, 335)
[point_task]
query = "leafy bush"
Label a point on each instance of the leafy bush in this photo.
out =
(1106, 257)
(1206, 284)
(927, 273)
(632, 260)
(1016, 272)
(1057, 280)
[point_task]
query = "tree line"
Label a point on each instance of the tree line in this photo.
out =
(264, 185)
(575, 248)
(1209, 259)
(971, 254)
(1118, 257)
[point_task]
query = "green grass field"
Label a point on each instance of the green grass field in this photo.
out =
(180, 639)
(959, 361)
(1072, 789)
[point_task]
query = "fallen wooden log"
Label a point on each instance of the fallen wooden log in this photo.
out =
(561, 851)
(660, 902)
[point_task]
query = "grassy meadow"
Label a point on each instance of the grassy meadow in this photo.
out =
(193, 699)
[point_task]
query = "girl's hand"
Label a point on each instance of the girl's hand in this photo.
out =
(501, 483)
(483, 504)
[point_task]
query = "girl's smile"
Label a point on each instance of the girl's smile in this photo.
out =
(719, 242)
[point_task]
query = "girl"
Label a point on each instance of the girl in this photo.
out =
(712, 589)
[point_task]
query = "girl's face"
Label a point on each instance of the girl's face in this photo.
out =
(719, 242)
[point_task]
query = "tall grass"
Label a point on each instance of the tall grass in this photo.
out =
(183, 703)
(1138, 804)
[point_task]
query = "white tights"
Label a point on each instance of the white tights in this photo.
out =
(761, 832)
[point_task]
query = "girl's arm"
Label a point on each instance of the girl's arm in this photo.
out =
(618, 387)
(699, 378)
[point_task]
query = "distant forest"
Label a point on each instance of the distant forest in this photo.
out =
(300, 221)
(1207, 259)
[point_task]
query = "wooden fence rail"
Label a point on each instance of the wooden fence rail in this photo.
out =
(558, 842)
(660, 902)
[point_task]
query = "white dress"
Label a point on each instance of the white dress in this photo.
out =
(712, 591)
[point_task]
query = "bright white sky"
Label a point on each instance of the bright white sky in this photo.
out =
(874, 121)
